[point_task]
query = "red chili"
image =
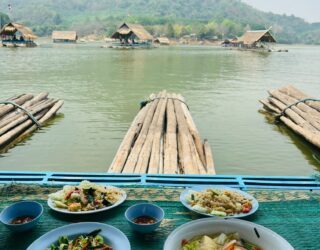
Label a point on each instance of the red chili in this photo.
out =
(246, 208)
(184, 242)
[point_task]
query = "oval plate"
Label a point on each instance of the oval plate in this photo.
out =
(66, 211)
(112, 236)
(254, 233)
(255, 203)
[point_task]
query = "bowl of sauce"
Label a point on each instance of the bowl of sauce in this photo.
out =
(144, 217)
(21, 216)
(21, 220)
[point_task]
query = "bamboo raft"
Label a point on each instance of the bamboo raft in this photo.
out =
(163, 139)
(298, 111)
(22, 115)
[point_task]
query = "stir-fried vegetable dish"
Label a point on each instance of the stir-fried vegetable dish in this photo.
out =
(91, 241)
(85, 197)
(218, 202)
(218, 242)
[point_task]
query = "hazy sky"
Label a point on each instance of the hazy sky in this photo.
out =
(307, 9)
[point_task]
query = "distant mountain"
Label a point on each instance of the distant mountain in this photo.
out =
(206, 18)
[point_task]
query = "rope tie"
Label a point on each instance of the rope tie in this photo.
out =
(296, 103)
(144, 103)
(23, 109)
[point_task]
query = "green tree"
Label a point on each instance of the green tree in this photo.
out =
(170, 31)
(4, 19)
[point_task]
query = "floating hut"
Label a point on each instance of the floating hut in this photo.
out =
(256, 40)
(17, 35)
(64, 36)
(163, 139)
(297, 110)
(132, 36)
(162, 41)
(230, 42)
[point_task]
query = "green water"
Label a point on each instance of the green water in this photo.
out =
(102, 89)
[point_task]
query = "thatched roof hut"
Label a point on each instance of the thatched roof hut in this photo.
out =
(132, 31)
(162, 40)
(64, 36)
(10, 30)
(254, 36)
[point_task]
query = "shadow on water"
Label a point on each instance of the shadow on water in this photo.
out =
(309, 151)
(23, 139)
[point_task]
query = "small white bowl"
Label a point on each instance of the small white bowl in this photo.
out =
(254, 233)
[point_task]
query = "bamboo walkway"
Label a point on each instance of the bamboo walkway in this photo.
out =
(298, 111)
(163, 139)
(22, 115)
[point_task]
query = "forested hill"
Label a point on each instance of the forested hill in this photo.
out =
(205, 18)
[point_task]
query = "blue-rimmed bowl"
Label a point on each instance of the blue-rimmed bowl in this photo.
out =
(144, 209)
(19, 209)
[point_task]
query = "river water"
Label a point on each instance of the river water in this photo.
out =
(102, 89)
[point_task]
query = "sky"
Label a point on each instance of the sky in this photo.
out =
(309, 10)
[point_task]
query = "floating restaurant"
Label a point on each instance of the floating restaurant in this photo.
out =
(258, 40)
(132, 36)
(17, 35)
(64, 36)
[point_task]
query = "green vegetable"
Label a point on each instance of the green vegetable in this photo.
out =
(63, 240)
(191, 246)
(218, 213)
(192, 197)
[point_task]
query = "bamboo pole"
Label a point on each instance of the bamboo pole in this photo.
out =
(29, 105)
(134, 154)
(170, 148)
(301, 118)
(270, 107)
(297, 94)
(44, 119)
(24, 116)
(145, 154)
(283, 103)
(9, 107)
(12, 134)
(125, 147)
(187, 162)
(311, 137)
(165, 142)
(209, 158)
(154, 164)
(193, 129)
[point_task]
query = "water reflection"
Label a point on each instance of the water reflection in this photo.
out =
(309, 151)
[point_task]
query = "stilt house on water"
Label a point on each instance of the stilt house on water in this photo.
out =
(17, 35)
(64, 36)
(132, 36)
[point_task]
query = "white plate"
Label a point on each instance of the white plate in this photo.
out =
(52, 205)
(255, 204)
(112, 236)
(254, 233)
